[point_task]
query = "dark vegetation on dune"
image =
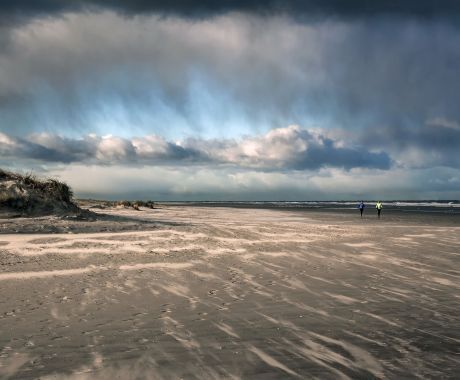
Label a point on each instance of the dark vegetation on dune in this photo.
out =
(30, 195)
(126, 204)
(136, 204)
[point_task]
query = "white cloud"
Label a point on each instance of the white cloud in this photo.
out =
(279, 149)
(110, 149)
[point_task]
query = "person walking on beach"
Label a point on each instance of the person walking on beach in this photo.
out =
(379, 207)
(361, 208)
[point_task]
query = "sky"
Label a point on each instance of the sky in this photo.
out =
(234, 100)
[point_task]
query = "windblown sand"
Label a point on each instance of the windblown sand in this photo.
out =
(222, 293)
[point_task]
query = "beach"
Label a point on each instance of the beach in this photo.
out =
(214, 292)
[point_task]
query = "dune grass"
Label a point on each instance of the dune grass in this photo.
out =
(31, 192)
(52, 187)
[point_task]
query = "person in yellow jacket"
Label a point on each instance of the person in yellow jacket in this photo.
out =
(379, 207)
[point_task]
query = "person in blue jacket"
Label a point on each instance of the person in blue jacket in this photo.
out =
(361, 208)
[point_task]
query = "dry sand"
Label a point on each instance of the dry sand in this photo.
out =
(217, 293)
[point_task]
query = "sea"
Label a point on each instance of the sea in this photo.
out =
(433, 206)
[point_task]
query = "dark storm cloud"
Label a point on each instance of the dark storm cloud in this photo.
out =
(423, 8)
(271, 72)
(436, 142)
(282, 149)
(384, 81)
(327, 154)
(21, 11)
(95, 149)
(17, 148)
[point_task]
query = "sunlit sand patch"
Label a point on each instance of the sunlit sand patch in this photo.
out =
(204, 275)
(390, 298)
(451, 253)
(288, 236)
(319, 359)
(421, 235)
(271, 361)
(251, 256)
(57, 314)
(156, 266)
(255, 286)
(320, 279)
(311, 309)
(343, 299)
(295, 283)
(248, 256)
(233, 239)
(44, 274)
(274, 254)
(382, 319)
(302, 306)
(178, 290)
(176, 248)
(362, 359)
(89, 251)
(72, 243)
(404, 238)
(445, 281)
(223, 251)
(369, 256)
(320, 349)
(364, 338)
(280, 241)
(408, 264)
(268, 318)
(323, 255)
(143, 368)
(227, 329)
(360, 245)
(398, 292)
(182, 234)
(176, 330)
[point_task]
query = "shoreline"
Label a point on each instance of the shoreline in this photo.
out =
(389, 214)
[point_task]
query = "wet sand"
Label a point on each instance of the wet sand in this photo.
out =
(226, 293)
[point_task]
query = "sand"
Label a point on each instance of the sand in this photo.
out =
(224, 293)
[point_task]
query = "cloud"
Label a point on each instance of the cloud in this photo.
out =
(230, 75)
(291, 148)
(13, 147)
(433, 143)
(14, 14)
(103, 150)
(205, 87)
(309, 8)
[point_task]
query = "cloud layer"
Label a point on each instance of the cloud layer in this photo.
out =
(411, 8)
(233, 74)
(290, 148)
(178, 88)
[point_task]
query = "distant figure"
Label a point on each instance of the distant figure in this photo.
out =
(379, 207)
(361, 208)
